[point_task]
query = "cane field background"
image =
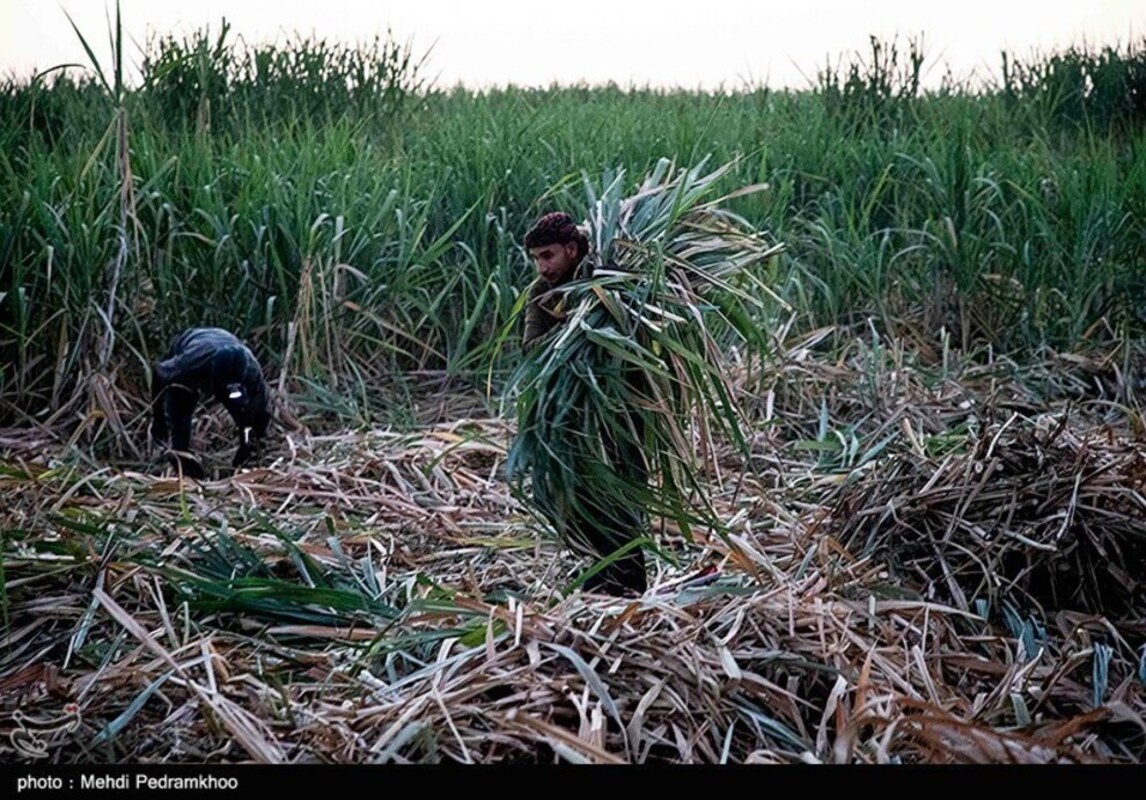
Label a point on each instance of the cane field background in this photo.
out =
(935, 541)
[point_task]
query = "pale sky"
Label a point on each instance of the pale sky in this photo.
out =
(689, 43)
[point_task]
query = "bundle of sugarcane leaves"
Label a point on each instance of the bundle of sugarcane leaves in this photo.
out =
(621, 406)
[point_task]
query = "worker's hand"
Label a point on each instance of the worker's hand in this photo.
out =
(245, 450)
(188, 465)
(158, 430)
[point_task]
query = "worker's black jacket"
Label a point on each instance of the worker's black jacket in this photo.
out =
(214, 364)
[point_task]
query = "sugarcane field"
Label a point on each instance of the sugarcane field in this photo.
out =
(346, 418)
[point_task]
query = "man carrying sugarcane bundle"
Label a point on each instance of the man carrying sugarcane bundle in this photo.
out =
(591, 521)
(623, 387)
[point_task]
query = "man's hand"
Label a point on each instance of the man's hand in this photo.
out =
(188, 465)
(245, 451)
(158, 430)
